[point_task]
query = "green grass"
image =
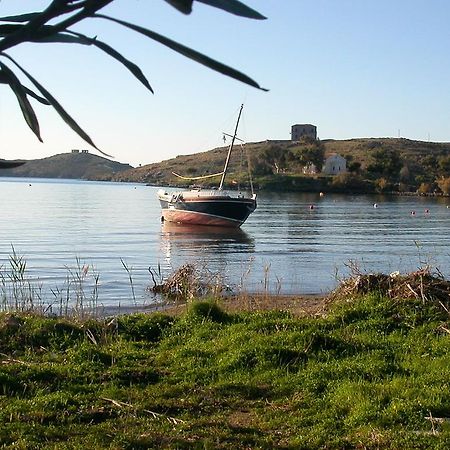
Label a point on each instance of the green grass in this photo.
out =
(366, 376)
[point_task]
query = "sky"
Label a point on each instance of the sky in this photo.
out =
(353, 68)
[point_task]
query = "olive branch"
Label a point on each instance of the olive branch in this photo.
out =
(53, 25)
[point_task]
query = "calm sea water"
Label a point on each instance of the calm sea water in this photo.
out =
(66, 230)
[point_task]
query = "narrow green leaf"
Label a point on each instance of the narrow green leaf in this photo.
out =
(4, 80)
(234, 7)
(133, 68)
(4, 164)
(184, 6)
(35, 96)
(71, 37)
(63, 38)
(46, 35)
(57, 106)
(19, 18)
(187, 52)
(21, 95)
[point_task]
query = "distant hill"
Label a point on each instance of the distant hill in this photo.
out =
(375, 164)
(84, 166)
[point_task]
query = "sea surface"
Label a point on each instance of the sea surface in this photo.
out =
(101, 238)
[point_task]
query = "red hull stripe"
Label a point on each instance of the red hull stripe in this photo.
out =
(196, 218)
(222, 199)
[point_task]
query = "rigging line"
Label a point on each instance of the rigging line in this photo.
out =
(249, 168)
(230, 135)
(241, 165)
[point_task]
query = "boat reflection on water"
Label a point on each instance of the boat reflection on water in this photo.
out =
(214, 233)
(211, 246)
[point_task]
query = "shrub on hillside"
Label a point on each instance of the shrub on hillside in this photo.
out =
(444, 185)
(404, 187)
(349, 182)
(354, 166)
(261, 167)
(386, 163)
(383, 185)
(425, 188)
(444, 165)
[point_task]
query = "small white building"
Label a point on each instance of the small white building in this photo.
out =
(334, 165)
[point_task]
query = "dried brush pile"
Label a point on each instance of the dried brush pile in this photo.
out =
(422, 284)
(189, 282)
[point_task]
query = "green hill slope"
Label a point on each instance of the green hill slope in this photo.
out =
(375, 164)
(69, 165)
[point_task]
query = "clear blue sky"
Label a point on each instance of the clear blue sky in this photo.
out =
(354, 68)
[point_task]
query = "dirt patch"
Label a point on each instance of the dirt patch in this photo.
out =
(298, 305)
(242, 419)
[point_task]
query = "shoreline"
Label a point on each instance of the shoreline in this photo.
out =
(287, 191)
(300, 305)
(303, 305)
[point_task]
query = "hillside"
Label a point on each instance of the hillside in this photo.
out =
(374, 164)
(84, 166)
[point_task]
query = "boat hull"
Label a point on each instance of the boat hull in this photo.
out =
(215, 211)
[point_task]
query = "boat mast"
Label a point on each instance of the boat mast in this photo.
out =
(230, 150)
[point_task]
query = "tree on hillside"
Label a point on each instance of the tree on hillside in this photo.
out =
(354, 167)
(276, 156)
(310, 151)
(444, 166)
(55, 23)
(349, 182)
(444, 185)
(387, 163)
(260, 166)
(425, 188)
(383, 185)
(405, 174)
(427, 168)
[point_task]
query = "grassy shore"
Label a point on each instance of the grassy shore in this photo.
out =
(370, 372)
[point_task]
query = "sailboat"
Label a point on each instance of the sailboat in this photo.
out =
(217, 207)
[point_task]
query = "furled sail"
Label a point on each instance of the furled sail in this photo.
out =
(197, 178)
